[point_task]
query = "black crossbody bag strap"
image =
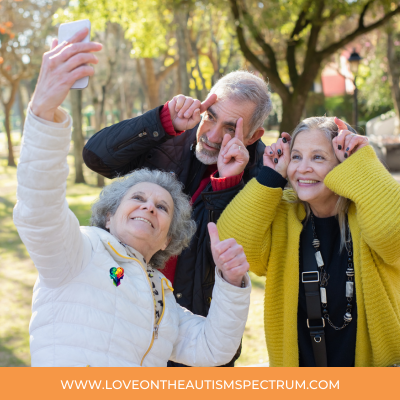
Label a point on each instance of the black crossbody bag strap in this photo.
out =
(315, 322)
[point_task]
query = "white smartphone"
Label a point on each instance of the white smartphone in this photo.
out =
(65, 32)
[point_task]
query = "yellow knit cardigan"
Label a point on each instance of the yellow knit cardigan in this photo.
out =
(267, 223)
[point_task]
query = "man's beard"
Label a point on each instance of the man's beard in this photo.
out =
(207, 157)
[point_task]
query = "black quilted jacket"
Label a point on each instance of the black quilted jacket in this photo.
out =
(142, 142)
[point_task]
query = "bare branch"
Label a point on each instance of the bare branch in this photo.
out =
(292, 43)
(353, 35)
(162, 74)
(270, 73)
(267, 49)
(363, 12)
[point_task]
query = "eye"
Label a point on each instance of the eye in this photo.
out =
(295, 157)
(161, 207)
(137, 197)
(318, 157)
(208, 116)
(230, 130)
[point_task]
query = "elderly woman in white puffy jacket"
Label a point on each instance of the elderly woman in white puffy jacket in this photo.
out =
(99, 299)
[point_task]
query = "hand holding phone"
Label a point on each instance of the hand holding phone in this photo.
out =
(65, 33)
(62, 66)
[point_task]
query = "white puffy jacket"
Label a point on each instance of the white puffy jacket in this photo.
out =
(79, 317)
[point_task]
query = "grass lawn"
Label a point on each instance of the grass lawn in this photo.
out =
(18, 274)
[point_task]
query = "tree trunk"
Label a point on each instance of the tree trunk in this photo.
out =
(7, 124)
(181, 17)
(21, 109)
(7, 111)
(77, 136)
(292, 111)
(123, 110)
(152, 83)
(394, 73)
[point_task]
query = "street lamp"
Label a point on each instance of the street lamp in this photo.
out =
(354, 61)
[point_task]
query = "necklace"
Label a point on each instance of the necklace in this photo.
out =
(325, 277)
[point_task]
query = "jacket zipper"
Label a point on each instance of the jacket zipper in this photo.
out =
(156, 325)
(129, 141)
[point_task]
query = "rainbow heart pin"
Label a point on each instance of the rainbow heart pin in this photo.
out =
(116, 274)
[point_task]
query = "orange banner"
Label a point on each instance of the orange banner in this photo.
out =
(199, 383)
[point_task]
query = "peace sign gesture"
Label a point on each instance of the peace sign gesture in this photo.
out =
(233, 156)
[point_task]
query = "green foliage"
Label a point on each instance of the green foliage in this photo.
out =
(145, 23)
(339, 106)
(342, 107)
(373, 79)
(149, 26)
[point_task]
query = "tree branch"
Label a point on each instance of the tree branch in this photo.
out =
(311, 64)
(269, 73)
(292, 43)
(328, 51)
(267, 49)
(141, 75)
(162, 74)
(363, 12)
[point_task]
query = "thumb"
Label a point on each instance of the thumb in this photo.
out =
(213, 231)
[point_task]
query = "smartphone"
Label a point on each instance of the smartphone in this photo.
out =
(65, 32)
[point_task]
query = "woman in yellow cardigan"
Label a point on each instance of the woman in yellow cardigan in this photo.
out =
(340, 219)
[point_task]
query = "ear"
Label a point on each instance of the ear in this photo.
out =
(257, 135)
(167, 242)
(108, 222)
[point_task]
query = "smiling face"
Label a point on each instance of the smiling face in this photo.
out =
(218, 120)
(143, 218)
(312, 158)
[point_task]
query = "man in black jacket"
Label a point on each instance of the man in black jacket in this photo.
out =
(205, 153)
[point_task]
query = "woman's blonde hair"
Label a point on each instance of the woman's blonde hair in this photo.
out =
(327, 126)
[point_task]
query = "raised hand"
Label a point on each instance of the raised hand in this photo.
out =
(185, 111)
(233, 156)
(277, 156)
(61, 67)
(228, 256)
(347, 142)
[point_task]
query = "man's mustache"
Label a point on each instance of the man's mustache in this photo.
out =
(203, 138)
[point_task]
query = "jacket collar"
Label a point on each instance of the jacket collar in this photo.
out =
(118, 251)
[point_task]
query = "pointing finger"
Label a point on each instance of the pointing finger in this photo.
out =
(239, 129)
(207, 103)
(225, 141)
(340, 124)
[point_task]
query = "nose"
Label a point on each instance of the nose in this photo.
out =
(149, 206)
(304, 167)
(214, 135)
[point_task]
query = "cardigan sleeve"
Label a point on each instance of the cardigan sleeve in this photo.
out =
(48, 229)
(248, 219)
(363, 179)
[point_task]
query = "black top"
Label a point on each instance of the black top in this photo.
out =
(340, 345)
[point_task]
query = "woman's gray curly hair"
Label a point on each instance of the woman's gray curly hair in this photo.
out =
(182, 226)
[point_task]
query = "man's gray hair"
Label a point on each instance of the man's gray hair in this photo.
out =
(244, 86)
(182, 226)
